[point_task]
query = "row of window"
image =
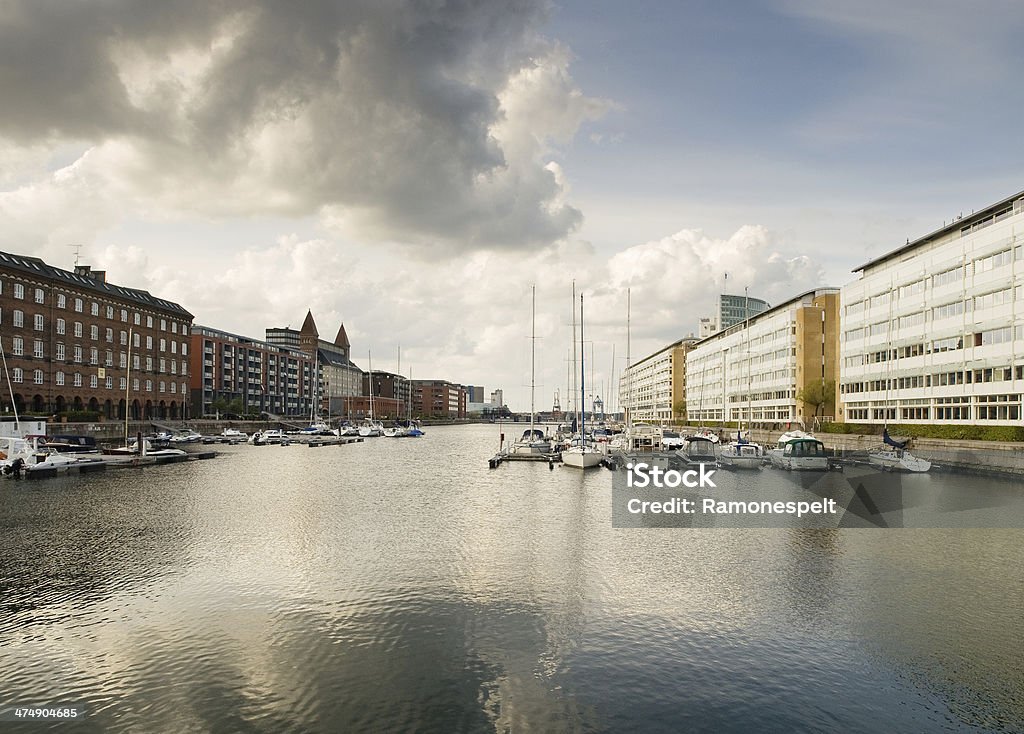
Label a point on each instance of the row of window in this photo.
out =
(77, 379)
(952, 275)
(39, 296)
(60, 355)
(938, 379)
(18, 319)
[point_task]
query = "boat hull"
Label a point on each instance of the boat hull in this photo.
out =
(899, 461)
(582, 459)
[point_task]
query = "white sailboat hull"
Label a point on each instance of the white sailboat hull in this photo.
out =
(899, 461)
(582, 458)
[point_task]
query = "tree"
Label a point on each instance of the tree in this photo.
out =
(679, 410)
(817, 393)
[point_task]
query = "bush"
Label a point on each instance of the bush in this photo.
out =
(81, 416)
(960, 433)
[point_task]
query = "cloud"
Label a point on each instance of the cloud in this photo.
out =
(408, 120)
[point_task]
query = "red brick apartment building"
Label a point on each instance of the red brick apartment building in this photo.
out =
(74, 342)
(438, 399)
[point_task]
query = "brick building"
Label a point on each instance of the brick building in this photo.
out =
(74, 342)
(438, 399)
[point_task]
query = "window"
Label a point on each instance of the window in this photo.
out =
(59, 351)
(184, 349)
(124, 337)
(78, 305)
(149, 322)
(162, 385)
(149, 386)
(61, 327)
(110, 312)
(39, 298)
(135, 384)
(123, 361)
(135, 361)
(109, 382)
(94, 355)
(37, 348)
(18, 346)
(149, 364)
(138, 318)
(94, 332)
(19, 318)
(109, 334)
(78, 353)
(109, 360)
(95, 309)
(163, 324)
(59, 378)
(62, 302)
(16, 374)
(37, 377)
(19, 291)
(77, 380)
(94, 381)
(149, 342)
(163, 345)
(37, 322)
(174, 347)
(123, 383)
(174, 327)
(174, 387)
(984, 264)
(163, 365)
(124, 316)
(78, 329)
(135, 340)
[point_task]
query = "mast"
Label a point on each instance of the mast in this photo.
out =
(369, 364)
(746, 310)
(629, 370)
(583, 418)
(575, 404)
(533, 356)
(316, 386)
(127, 386)
(10, 389)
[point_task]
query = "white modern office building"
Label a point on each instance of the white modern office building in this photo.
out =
(933, 332)
(651, 388)
(753, 371)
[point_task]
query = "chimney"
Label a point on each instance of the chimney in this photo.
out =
(86, 271)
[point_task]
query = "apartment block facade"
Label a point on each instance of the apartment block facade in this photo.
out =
(755, 370)
(933, 332)
(74, 342)
(651, 389)
(438, 399)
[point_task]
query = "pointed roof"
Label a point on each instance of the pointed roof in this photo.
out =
(341, 340)
(309, 326)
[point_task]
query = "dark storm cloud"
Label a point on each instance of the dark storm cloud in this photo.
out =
(382, 114)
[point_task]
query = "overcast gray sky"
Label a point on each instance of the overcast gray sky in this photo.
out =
(412, 167)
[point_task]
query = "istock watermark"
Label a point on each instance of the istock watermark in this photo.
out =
(642, 475)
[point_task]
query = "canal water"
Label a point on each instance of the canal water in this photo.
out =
(401, 585)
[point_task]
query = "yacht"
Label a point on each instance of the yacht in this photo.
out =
(697, 449)
(893, 456)
(742, 455)
(803, 454)
(775, 454)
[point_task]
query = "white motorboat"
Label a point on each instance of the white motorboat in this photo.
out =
(233, 433)
(775, 454)
(396, 432)
(742, 455)
(533, 441)
(186, 435)
(697, 449)
(270, 436)
(803, 454)
(672, 440)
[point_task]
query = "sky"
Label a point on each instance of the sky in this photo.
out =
(414, 168)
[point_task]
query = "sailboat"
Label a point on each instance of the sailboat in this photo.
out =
(893, 454)
(371, 427)
(533, 440)
(582, 456)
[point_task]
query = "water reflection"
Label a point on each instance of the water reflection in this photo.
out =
(403, 585)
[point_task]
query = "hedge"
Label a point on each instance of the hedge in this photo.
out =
(971, 433)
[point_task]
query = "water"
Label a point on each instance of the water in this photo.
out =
(402, 585)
